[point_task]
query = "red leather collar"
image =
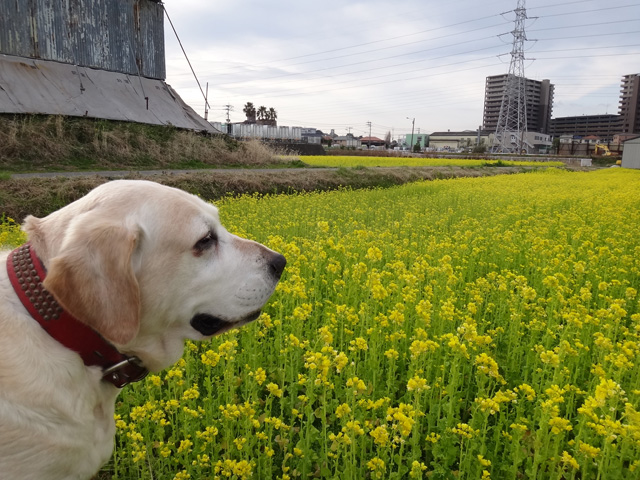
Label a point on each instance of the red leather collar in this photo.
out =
(27, 273)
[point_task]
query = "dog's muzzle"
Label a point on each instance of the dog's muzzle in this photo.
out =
(209, 325)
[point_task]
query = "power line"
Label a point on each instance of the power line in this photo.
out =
(635, 32)
(590, 56)
(360, 79)
(380, 59)
(587, 48)
(579, 12)
(185, 54)
(377, 59)
(373, 42)
(402, 64)
(597, 24)
(552, 5)
(449, 55)
(466, 32)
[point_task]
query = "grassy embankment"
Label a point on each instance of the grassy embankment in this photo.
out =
(57, 144)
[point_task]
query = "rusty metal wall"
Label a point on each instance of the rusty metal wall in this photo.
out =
(125, 36)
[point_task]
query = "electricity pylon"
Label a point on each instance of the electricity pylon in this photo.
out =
(512, 120)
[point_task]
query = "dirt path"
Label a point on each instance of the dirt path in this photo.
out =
(152, 173)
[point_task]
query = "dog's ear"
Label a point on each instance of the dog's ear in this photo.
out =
(92, 278)
(32, 227)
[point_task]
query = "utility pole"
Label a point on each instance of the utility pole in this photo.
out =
(206, 103)
(413, 124)
(228, 108)
(369, 124)
(511, 129)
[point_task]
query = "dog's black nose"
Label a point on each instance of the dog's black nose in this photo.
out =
(276, 265)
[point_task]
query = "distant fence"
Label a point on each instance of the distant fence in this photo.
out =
(263, 132)
(576, 148)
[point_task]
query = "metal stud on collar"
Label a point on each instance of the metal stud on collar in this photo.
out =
(31, 283)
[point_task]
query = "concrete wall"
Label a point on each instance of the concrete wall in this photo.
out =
(44, 87)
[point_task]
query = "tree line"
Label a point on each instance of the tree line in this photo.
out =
(262, 113)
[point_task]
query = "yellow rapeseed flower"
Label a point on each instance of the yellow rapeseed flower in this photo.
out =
(417, 384)
(464, 430)
(559, 425)
(568, 461)
(377, 467)
(342, 410)
(380, 435)
(274, 390)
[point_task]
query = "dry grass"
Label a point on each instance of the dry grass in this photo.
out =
(41, 196)
(50, 143)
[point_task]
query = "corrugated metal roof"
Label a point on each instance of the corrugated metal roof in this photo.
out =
(119, 35)
(39, 86)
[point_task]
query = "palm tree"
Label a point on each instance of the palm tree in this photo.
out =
(273, 115)
(250, 111)
(262, 113)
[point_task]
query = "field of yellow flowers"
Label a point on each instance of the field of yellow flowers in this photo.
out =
(455, 329)
(364, 161)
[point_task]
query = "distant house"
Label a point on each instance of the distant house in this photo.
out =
(538, 142)
(347, 141)
(311, 135)
(372, 141)
(453, 141)
(618, 143)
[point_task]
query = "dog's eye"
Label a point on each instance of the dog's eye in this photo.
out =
(206, 242)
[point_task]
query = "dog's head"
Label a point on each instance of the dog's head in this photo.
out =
(148, 266)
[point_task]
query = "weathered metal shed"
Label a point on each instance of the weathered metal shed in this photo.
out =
(631, 153)
(125, 36)
(94, 58)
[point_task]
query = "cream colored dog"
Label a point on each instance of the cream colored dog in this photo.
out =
(144, 265)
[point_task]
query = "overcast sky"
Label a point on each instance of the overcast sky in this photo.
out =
(340, 64)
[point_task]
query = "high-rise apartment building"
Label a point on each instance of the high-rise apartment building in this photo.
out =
(539, 95)
(603, 126)
(629, 108)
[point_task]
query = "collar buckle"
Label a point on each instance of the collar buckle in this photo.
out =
(123, 373)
